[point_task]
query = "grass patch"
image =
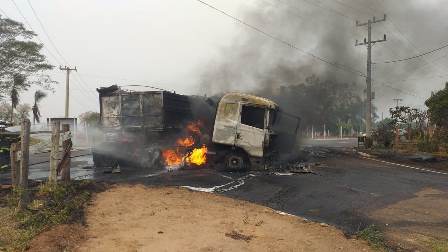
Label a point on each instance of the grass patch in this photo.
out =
(439, 246)
(34, 141)
(49, 205)
(373, 236)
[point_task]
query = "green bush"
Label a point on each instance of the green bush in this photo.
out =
(373, 236)
(428, 145)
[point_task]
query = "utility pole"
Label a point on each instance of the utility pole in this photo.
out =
(397, 100)
(67, 86)
(369, 43)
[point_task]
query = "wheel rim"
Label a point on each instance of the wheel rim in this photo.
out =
(235, 162)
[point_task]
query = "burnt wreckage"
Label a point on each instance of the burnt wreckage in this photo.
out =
(240, 131)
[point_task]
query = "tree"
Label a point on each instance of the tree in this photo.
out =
(438, 113)
(90, 118)
(38, 96)
(438, 108)
(21, 62)
(23, 111)
(319, 102)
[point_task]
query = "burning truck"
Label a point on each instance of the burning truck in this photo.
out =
(163, 129)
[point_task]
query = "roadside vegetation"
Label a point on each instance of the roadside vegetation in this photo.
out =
(439, 245)
(22, 66)
(415, 130)
(373, 236)
(50, 205)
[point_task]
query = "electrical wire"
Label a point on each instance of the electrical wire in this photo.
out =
(334, 64)
(416, 56)
(46, 33)
(83, 85)
(3, 13)
(342, 67)
(45, 48)
(37, 37)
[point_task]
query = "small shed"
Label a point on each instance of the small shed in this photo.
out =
(72, 121)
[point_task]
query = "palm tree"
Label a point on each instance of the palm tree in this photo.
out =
(14, 101)
(38, 96)
(18, 81)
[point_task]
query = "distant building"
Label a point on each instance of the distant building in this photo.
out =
(73, 122)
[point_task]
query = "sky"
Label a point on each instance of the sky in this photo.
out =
(169, 43)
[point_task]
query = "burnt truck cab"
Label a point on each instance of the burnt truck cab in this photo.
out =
(255, 130)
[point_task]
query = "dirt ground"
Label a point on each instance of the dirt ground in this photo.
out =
(417, 223)
(139, 218)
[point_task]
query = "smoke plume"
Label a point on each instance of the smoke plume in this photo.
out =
(256, 63)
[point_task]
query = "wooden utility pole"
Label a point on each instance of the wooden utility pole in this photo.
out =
(67, 87)
(24, 162)
(55, 126)
(397, 100)
(15, 174)
(64, 165)
(369, 43)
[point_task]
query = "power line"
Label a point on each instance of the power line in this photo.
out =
(46, 33)
(31, 28)
(416, 56)
(85, 86)
(3, 13)
(408, 41)
(334, 64)
(357, 72)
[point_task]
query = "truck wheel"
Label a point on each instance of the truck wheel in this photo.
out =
(236, 161)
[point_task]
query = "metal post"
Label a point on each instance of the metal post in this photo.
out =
(325, 132)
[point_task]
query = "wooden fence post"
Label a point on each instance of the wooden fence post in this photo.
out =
(15, 172)
(66, 147)
(24, 162)
(55, 126)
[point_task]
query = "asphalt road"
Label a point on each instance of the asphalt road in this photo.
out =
(344, 191)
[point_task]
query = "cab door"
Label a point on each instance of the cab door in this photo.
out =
(250, 132)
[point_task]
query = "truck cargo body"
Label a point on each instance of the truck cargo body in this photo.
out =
(133, 121)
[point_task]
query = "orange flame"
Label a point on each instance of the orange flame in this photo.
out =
(183, 154)
(185, 142)
(172, 158)
(198, 156)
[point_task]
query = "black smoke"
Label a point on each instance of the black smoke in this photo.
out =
(258, 64)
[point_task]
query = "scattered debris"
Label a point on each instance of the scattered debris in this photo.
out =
(423, 157)
(239, 236)
(116, 169)
(292, 168)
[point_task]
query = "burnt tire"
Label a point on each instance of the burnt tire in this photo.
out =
(236, 161)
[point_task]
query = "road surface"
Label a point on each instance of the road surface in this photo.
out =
(347, 190)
